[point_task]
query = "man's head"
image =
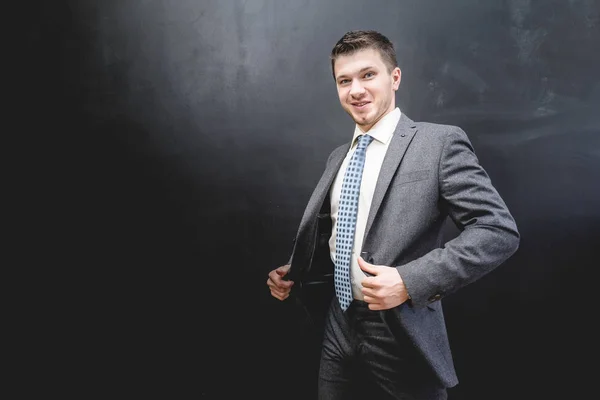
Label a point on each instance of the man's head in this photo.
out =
(354, 41)
(367, 76)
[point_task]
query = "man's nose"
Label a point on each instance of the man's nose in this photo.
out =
(357, 89)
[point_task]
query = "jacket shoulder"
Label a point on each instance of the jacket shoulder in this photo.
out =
(437, 129)
(441, 133)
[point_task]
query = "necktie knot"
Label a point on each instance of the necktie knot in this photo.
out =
(364, 140)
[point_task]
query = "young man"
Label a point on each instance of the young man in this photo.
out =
(386, 195)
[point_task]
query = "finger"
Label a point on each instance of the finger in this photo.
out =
(283, 270)
(271, 282)
(280, 292)
(368, 292)
(280, 284)
(365, 266)
(373, 302)
(285, 284)
(276, 279)
(280, 296)
(274, 275)
(368, 283)
(375, 307)
(370, 299)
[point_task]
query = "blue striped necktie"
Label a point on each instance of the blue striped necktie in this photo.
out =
(346, 221)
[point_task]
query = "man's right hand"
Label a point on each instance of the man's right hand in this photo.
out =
(280, 288)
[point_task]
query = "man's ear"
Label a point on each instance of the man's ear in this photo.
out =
(397, 77)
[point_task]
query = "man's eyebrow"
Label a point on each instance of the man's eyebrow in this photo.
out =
(360, 72)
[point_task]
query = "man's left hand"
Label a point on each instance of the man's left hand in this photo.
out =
(384, 289)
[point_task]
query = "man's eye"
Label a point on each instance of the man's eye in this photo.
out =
(344, 81)
(369, 74)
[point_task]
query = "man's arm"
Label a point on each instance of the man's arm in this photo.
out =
(488, 237)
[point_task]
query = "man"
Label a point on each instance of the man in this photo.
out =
(386, 196)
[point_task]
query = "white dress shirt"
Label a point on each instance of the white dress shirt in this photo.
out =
(382, 133)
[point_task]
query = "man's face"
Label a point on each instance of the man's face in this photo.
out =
(365, 86)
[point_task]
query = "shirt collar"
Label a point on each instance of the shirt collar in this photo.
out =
(383, 130)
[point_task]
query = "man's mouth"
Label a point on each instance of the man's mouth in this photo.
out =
(360, 104)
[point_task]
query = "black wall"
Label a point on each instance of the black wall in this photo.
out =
(180, 140)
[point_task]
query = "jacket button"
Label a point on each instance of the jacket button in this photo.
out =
(435, 297)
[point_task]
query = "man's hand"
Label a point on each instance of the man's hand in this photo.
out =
(280, 289)
(385, 289)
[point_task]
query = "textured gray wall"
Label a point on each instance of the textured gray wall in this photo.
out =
(196, 130)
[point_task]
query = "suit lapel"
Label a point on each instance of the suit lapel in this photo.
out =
(302, 248)
(404, 133)
(324, 185)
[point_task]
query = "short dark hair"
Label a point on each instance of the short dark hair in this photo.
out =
(354, 41)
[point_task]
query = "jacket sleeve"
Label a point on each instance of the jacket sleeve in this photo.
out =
(488, 232)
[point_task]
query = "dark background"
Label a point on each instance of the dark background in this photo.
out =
(172, 146)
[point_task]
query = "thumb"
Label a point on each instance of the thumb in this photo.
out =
(365, 266)
(282, 271)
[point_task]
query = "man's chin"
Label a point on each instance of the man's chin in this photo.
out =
(361, 120)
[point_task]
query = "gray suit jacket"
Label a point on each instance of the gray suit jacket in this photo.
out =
(430, 172)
